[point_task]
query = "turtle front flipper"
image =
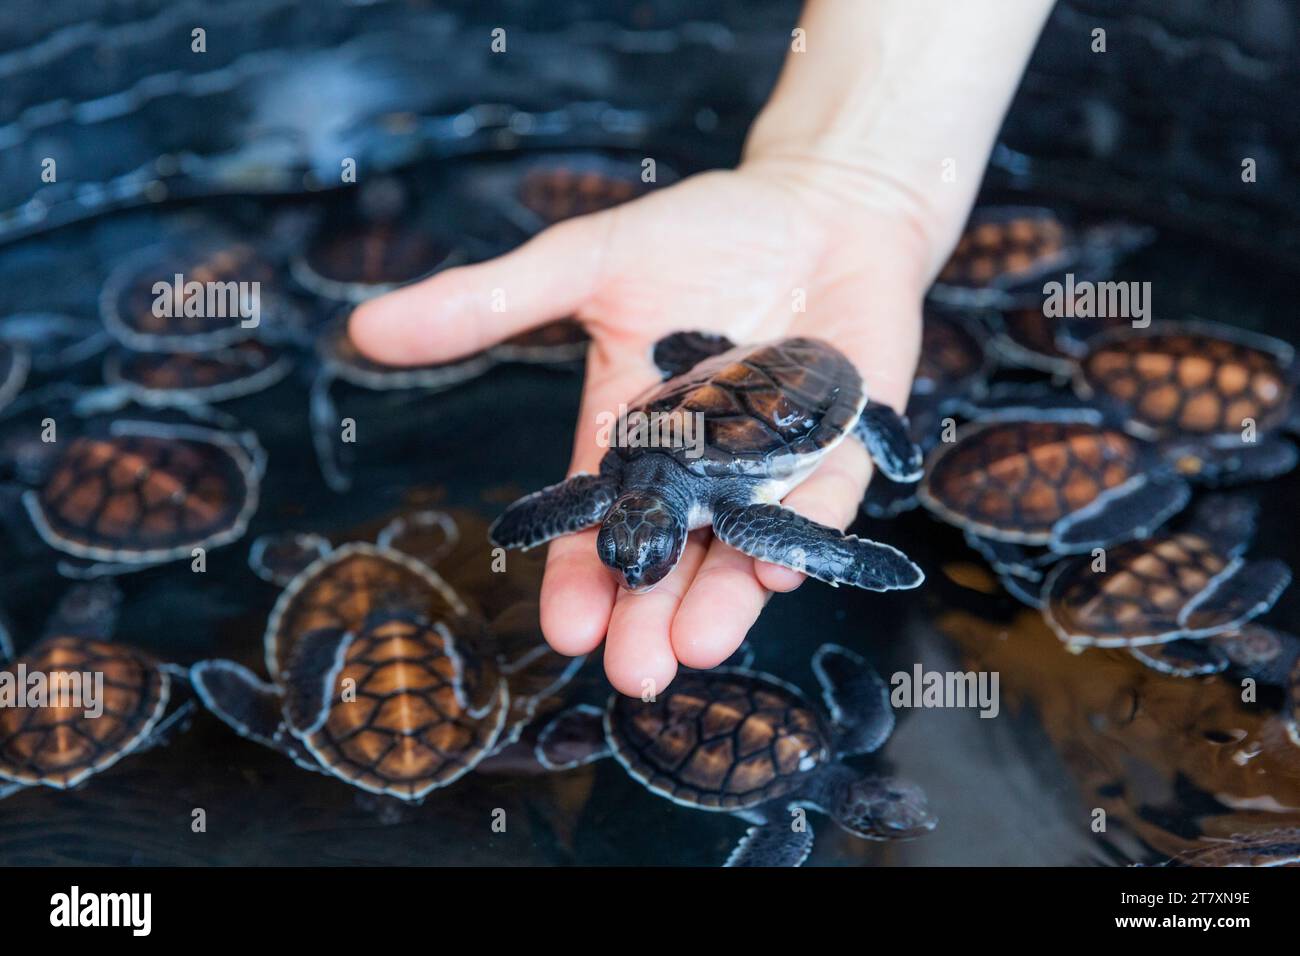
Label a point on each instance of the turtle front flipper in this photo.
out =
(248, 706)
(680, 352)
(572, 505)
(773, 844)
(279, 557)
(1242, 463)
(1236, 597)
(575, 737)
(1008, 557)
(888, 439)
(1127, 512)
(780, 536)
(1024, 590)
(1185, 658)
(857, 698)
(314, 666)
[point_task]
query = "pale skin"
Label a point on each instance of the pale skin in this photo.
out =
(833, 226)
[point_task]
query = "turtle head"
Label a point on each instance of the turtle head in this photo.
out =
(883, 808)
(641, 538)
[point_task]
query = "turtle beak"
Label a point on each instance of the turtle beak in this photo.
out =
(635, 579)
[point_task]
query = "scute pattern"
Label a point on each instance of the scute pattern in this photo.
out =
(1015, 480)
(950, 355)
(1146, 586)
(60, 746)
(410, 728)
(720, 740)
(127, 494)
(764, 407)
(1185, 383)
(380, 253)
(193, 371)
(998, 249)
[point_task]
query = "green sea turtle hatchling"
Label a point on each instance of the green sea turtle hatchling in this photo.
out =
(1007, 253)
(765, 415)
(734, 740)
(80, 727)
(186, 378)
(381, 674)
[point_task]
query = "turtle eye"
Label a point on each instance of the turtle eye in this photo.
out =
(606, 547)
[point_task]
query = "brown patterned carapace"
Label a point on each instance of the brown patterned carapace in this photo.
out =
(950, 354)
(139, 493)
(407, 728)
(720, 741)
(763, 407)
(1146, 586)
(59, 746)
(236, 263)
(1015, 480)
(376, 253)
(1185, 383)
(558, 193)
(998, 249)
(192, 371)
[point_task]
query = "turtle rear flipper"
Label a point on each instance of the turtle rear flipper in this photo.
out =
(1183, 658)
(780, 536)
(1236, 597)
(888, 439)
(575, 737)
(1128, 511)
(572, 505)
(1227, 520)
(857, 698)
(1009, 558)
(280, 557)
(773, 844)
(1246, 462)
(682, 351)
(888, 499)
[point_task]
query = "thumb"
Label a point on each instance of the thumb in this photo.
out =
(466, 310)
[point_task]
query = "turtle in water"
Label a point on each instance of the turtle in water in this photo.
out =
(555, 343)
(1230, 389)
(187, 378)
(738, 741)
(763, 417)
(381, 675)
(374, 248)
(128, 492)
(1007, 253)
(193, 295)
(953, 367)
(1262, 848)
(82, 727)
(339, 360)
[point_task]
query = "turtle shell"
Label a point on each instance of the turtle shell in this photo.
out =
(557, 192)
(1191, 380)
(719, 740)
(127, 303)
(766, 409)
(951, 359)
(423, 710)
(356, 259)
(58, 745)
(345, 360)
(1005, 247)
(143, 492)
(1142, 597)
(240, 369)
(1012, 481)
(344, 588)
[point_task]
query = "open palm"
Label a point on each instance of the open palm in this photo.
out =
(754, 254)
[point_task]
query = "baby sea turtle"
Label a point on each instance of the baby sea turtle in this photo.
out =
(79, 728)
(953, 366)
(554, 343)
(738, 741)
(1026, 337)
(1197, 380)
(1189, 582)
(131, 492)
(340, 360)
(381, 674)
(1007, 253)
(191, 296)
(185, 378)
(763, 416)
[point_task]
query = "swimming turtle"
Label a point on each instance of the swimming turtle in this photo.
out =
(81, 727)
(125, 492)
(371, 248)
(339, 360)
(184, 378)
(763, 416)
(381, 675)
(952, 367)
(554, 343)
(1007, 254)
(192, 295)
(1227, 387)
(1181, 583)
(738, 741)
